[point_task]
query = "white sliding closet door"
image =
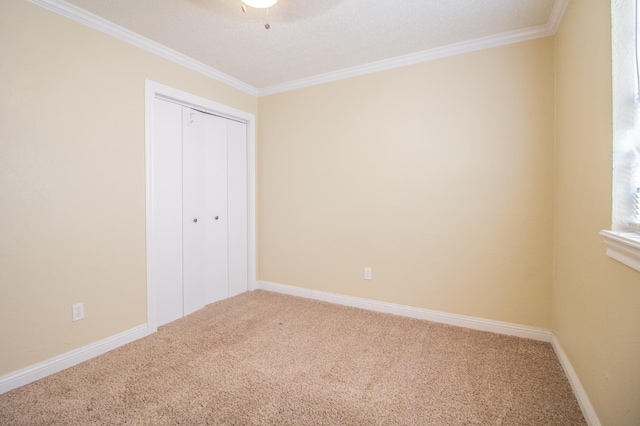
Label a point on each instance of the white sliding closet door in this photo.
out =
(204, 203)
(216, 207)
(238, 208)
(199, 216)
(193, 212)
(165, 259)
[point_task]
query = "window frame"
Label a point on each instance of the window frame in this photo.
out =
(623, 241)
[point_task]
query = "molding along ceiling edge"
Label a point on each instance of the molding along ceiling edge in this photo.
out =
(93, 21)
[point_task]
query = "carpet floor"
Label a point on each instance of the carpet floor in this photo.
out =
(268, 359)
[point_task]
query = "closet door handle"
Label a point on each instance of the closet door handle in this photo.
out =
(216, 218)
(195, 220)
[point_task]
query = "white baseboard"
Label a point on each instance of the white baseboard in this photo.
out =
(535, 333)
(474, 323)
(61, 362)
(43, 369)
(583, 400)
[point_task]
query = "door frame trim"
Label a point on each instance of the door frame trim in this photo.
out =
(155, 90)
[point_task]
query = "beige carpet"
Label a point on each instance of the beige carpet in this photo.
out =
(267, 359)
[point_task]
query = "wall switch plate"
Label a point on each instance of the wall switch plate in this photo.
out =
(78, 311)
(367, 273)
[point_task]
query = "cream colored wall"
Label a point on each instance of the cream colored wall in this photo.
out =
(596, 300)
(438, 176)
(72, 180)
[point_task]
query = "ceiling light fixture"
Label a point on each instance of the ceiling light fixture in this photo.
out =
(260, 4)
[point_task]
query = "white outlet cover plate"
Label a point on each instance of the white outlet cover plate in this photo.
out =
(367, 273)
(77, 311)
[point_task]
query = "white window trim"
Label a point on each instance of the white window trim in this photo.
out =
(623, 247)
(622, 243)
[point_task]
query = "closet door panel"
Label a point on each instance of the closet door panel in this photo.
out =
(197, 211)
(215, 199)
(165, 260)
(194, 215)
(238, 208)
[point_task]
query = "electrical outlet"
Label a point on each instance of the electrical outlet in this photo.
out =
(367, 273)
(77, 311)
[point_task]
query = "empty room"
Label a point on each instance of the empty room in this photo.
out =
(336, 212)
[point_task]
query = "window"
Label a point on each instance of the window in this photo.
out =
(626, 126)
(623, 242)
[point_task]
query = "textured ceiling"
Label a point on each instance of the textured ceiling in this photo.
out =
(313, 37)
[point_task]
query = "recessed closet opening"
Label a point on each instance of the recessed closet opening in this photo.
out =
(200, 203)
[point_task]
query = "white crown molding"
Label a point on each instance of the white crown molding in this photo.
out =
(468, 46)
(412, 59)
(62, 362)
(474, 323)
(556, 14)
(101, 24)
(588, 411)
(89, 19)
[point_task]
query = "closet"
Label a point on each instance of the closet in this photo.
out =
(198, 211)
